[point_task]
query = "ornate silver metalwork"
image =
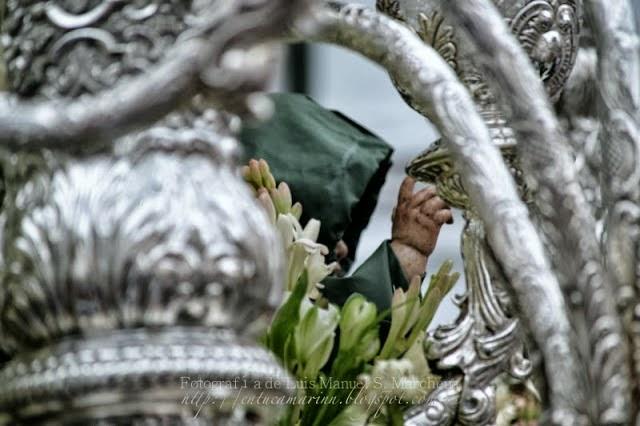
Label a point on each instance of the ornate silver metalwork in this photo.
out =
(438, 95)
(549, 38)
(208, 56)
(144, 259)
(486, 340)
(441, 407)
(561, 205)
(617, 45)
(549, 34)
(129, 271)
(576, 111)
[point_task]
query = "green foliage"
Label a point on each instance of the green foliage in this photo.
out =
(411, 315)
(355, 382)
(285, 320)
(303, 334)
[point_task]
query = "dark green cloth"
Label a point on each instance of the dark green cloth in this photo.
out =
(375, 279)
(334, 167)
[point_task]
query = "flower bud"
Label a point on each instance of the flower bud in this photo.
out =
(254, 174)
(268, 181)
(405, 312)
(369, 345)
(296, 210)
(413, 306)
(265, 200)
(246, 174)
(358, 315)
(281, 198)
(285, 196)
(313, 337)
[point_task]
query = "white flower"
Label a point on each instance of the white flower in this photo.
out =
(303, 251)
(317, 270)
(312, 230)
(286, 225)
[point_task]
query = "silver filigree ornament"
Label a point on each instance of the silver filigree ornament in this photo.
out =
(548, 32)
(563, 209)
(430, 85)
(487, 339)
(132, 271)
(616, 42)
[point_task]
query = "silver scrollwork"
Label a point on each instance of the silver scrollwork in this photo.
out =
(545, 157)
(129, 268)
(437, 94)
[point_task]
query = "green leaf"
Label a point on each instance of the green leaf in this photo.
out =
(285, 319)
(395, 415)
(290, 360)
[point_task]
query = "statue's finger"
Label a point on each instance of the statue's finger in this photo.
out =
(406, 190)
(432, 205)
(425, 220)
(443, 216)
(423, 195)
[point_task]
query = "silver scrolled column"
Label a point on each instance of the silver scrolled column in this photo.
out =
(618, 83)
(566, 216)
(436, 92)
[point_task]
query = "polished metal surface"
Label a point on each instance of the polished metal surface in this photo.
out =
(485, 342)
(134, 63)
(618, 86)
(132, 255)
(485, 44)
(132, 260)
(560, 204)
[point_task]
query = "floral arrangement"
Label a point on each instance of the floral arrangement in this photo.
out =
(346, 374)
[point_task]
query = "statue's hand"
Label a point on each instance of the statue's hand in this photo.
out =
(417, 218)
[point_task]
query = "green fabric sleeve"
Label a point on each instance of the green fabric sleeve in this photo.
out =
(375, 279)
